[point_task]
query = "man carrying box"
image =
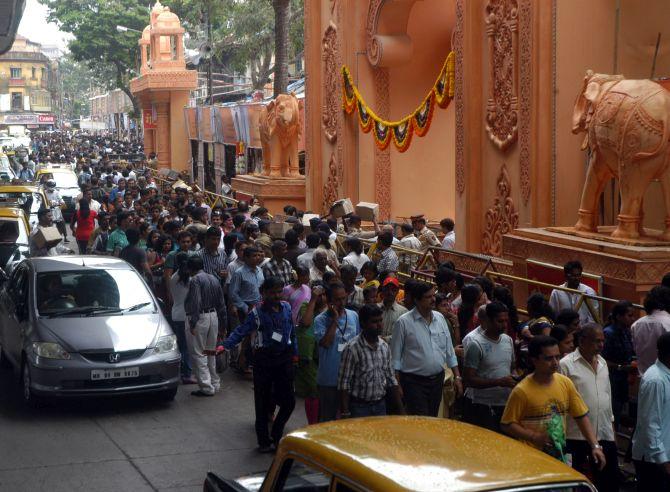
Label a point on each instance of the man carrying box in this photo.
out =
(45, 240)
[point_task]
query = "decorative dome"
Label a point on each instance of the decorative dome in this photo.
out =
(146, 34)
(167, 20)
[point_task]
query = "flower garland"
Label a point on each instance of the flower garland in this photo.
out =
(418, 121)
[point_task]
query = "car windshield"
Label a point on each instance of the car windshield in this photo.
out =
(92, 291)
(28, 201)
(4, 161)
(13, 231)
(65, 180)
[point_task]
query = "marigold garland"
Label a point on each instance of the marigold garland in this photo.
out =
(418, 121)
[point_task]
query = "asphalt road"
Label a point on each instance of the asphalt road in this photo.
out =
(129, 444)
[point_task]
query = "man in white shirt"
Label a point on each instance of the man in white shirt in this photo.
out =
(649, 328)
(449, 241)
(588, 371)
(560, 299)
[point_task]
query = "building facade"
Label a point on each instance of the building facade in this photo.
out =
(110, 111)
(29, 88)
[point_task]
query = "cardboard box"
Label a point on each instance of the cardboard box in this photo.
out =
(342, 207)
(47, 237)
(306, 218)
(277, 230)
(367, 211)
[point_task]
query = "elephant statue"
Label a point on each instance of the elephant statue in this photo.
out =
(279, 125)
(627, 127)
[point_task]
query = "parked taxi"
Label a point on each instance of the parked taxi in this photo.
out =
(66, 184)
(28, 197)
(14, 234)
(405, 453)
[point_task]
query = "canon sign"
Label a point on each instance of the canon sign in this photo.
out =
(27, 119)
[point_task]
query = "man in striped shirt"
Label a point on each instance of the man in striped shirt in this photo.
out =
(213, 257)
(365, 370)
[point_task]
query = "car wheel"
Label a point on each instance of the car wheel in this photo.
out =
(29, 397)
(168, 395)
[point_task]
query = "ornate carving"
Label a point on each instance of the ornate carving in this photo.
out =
(382, 157)
(502, 107)
(502, 218)
(460, 101)
(393, 46)
(525, 94)
(331, 81)
(330, 187)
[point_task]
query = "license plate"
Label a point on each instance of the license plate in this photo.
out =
(125, 372)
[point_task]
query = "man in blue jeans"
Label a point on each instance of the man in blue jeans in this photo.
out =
(365, 370)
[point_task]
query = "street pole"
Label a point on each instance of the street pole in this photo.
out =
(210, 96)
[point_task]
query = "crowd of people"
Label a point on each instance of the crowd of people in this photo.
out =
(343, 333)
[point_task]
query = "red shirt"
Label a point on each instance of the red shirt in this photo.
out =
(85, 226)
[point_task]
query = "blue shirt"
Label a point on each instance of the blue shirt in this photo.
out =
(244, 287)
(420, 348)
(329, 358)
(651, 441)
(276, 331)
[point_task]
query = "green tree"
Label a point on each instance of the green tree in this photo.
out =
(76, 78)
(110, 55)
(244, 35)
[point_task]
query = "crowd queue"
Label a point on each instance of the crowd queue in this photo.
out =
(342, 332)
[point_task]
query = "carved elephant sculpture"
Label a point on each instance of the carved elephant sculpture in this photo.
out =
(627, 129)
(279, 125)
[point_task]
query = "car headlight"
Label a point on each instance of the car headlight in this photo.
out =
(165, 344)
(50, 350)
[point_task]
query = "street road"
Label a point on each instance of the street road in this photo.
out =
(130, 444)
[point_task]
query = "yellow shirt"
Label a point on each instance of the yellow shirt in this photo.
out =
(532, 405)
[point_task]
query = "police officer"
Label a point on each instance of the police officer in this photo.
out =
(275, 351)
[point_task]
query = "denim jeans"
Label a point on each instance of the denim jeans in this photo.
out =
(179, 328)
(359, 409)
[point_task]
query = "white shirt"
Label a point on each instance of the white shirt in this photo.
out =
(178, 291)
(594, 388)
(232, 267)
(356, 260)
(560, 299)
(646, 331)
(449, 241)
(305, 260)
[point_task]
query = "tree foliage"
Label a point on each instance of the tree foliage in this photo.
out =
(76, 77)
(110, 55)
(243, 33)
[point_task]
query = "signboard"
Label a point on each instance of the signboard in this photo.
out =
(148, 119)
(27, 119)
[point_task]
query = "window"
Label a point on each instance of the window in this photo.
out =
(44, 74)
(296, 476)
(34, 73)
(17, 101)
(15, 73)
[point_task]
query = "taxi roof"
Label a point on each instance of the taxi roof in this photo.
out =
(77, 262)
(422, 453)
(11, 212)
(52, 169)
(9, 188)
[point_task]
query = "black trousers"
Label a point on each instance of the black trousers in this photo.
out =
(486, 416)
(273, 385)
(605, 480)
(422, 394)
(651, 477)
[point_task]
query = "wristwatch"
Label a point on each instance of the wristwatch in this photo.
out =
(596, 446)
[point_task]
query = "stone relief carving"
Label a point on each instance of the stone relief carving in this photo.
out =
(525, 95)
(382, 157)
(392, 46)
(330, 187)
(502, 218)
(502, 106)
(331, 80)
(460, 101)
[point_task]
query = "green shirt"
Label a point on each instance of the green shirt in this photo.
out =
(171, 258)
(117, 239)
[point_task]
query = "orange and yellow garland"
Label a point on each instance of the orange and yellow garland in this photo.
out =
(400, 131)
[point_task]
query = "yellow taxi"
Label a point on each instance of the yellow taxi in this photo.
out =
(28, 197)
(14, 234)
(66, 184)
(405, 453)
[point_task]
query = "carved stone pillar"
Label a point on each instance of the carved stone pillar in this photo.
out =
(163, 134)
(382, 157)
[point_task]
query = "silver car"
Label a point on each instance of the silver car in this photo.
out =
(85, 325)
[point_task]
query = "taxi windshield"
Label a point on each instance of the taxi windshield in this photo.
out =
(13, 230)
(65, 180)
(30, 202)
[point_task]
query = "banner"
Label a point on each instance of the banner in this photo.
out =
(148, 119)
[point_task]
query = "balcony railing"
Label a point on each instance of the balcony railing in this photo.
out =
(17, 81)
(19, 56)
